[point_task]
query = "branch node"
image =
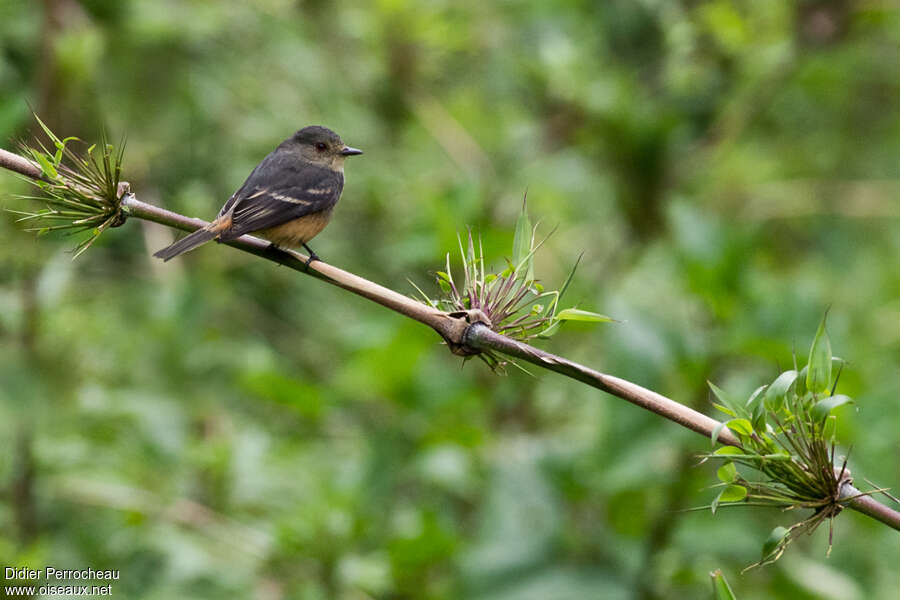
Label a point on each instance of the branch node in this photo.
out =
(455, 335)
(122, 190)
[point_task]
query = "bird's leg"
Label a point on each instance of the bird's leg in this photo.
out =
(312, 255)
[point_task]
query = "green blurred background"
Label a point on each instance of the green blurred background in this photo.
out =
(218, 427)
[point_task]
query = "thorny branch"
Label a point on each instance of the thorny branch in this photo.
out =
(466, 333)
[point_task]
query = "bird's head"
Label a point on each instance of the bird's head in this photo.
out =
(322, 146)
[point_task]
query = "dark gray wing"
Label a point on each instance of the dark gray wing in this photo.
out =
(280, 189)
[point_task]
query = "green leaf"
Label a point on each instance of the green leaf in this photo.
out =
(46, 166)
(522, 243)
(800, 387)
(818, 378)
(774, 545)
(727, 472)
(760, 424)
(734, 408)
(551, 330)
(462, 255)
(829, 428)
(575, 314)
(727, 450)
(721, 589)
(824, 407)
(777, 390)
(731, 493)
(757, 409)
(724, 409)
(740, 426)
(756, 397)
(715, 433)
(46, 129)
(565, 285)
(758, 419)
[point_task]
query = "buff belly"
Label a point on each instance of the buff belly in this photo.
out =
(297, 232)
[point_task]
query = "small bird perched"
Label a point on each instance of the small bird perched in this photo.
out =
(287, 199)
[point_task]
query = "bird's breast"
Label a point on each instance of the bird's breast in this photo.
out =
(297, 232)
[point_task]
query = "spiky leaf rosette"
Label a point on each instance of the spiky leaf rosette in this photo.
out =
(80, 189)
(513, 300)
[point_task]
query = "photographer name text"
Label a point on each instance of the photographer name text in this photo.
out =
(53, 573)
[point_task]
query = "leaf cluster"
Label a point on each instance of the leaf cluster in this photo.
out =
(787, 434)
(80, 188)
(515, 303)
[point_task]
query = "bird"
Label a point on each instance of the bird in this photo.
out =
(287, 199)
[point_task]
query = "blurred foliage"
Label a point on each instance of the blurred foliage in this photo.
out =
(217, 427)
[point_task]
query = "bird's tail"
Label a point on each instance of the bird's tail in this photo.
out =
(185, 244)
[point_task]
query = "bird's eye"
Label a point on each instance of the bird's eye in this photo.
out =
(321, 146)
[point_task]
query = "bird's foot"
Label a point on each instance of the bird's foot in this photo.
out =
(312, 255)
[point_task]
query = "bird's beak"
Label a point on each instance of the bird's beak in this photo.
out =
(348, 151)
